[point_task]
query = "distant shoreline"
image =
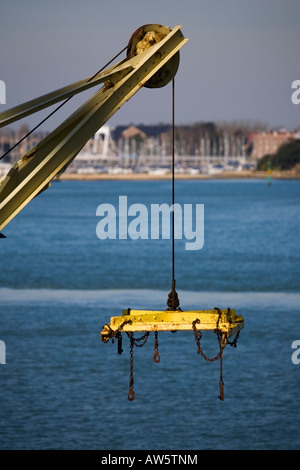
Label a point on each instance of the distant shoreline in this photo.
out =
(178, 176)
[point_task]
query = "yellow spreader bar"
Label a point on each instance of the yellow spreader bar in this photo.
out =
(227, 322)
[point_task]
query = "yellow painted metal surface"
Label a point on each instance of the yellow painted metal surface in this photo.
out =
(36, 168)
(146, 36)
(227, 321)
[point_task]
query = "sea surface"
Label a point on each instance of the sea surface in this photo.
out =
(62, 388)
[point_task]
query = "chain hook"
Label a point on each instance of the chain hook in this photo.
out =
(131, 394)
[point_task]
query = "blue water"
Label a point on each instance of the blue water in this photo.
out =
(62, 388)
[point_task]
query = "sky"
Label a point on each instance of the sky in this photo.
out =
(238, 65)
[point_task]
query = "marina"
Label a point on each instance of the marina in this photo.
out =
(111, 153)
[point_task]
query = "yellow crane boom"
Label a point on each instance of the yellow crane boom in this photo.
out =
(152, 61)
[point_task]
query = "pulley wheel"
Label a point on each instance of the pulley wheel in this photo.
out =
(145, 37)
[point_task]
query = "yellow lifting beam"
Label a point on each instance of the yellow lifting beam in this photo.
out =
(152, 61)
(226, 321)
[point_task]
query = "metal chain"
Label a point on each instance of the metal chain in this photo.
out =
(198, 336)
(222, 343)
(156, 356)
(131, 394)
(134, 342)
(114, 333)
(137, 340)
(221, 382)
(234, 342)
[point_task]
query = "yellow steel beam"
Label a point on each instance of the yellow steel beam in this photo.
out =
(34, 171)
(44, 101)
(227, 321)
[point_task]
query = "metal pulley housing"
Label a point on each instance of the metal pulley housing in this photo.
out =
(147, 36)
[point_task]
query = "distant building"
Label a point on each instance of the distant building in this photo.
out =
(132, 131)
(267, 143)
(297, 135)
